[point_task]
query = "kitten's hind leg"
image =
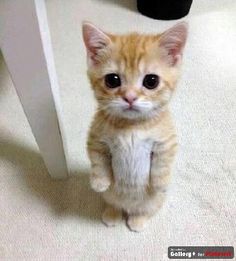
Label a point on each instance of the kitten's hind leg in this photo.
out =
(138, 222)
(112, 216)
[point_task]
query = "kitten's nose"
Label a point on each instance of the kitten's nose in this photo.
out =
(130, 98)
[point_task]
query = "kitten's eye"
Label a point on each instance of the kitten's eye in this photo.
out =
(151, 81)
(112, 80)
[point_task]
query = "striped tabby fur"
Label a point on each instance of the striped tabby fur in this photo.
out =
(131, 151)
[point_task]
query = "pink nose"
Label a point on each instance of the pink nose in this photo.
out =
(130, 98)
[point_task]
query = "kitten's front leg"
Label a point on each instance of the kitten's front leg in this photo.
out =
(101, 172)
(162, 159)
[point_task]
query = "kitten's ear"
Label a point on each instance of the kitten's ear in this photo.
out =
(173, 41)
(96, 42)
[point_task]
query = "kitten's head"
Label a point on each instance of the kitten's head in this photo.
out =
(134, 75)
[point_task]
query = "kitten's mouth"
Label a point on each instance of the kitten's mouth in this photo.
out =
(131, 109)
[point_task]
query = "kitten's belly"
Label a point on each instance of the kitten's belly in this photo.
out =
(131, 161)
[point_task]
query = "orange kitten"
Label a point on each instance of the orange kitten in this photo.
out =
(132, 142)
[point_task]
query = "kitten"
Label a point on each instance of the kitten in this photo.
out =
(132, 142)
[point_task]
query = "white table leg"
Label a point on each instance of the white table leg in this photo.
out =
(26, 47)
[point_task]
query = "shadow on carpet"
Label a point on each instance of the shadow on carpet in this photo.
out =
(70, 197)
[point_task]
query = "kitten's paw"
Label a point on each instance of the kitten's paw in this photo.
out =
(137, 223)
(100, 184)
(111, 216)
(160, 183)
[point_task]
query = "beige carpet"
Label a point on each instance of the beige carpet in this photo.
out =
(42, 219)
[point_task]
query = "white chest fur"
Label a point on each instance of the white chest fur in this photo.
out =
(131, 158)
